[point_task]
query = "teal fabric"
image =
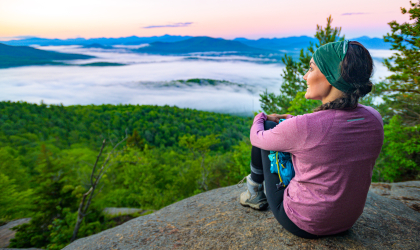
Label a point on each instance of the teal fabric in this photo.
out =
(287, 172)
(284, 160)
(328, 59)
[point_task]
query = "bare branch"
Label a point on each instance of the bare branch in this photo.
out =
(80, 215)
(83, 207)
(96, 162)
(107, 160)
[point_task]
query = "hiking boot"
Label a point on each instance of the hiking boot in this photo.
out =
(254, 197)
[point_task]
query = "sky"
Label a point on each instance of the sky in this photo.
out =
(216, 18)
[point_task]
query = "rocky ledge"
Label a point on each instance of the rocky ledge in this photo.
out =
(6, 232)
(407, 192)
(216, 220)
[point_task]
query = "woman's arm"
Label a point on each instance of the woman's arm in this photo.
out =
(286, 136)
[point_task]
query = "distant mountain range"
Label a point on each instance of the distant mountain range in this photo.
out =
(14, 56)
(271, 50)
(132, 40)
(201, 44)
(286, 43)
(302, 42)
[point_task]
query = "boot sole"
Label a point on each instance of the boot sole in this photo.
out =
(259, 206)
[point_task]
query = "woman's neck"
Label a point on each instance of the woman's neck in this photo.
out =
(332, 95)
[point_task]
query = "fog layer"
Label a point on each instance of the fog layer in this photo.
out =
(71, 85)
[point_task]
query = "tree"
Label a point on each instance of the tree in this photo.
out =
(53, 194)
(13, 203)
(400, 155)
(288, 100)
(95, 177)
(135, 140)
(403, 86)
(200, 147)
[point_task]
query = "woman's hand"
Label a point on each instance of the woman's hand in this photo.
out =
(276, 118)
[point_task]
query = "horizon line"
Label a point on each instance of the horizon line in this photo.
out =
(23, 37)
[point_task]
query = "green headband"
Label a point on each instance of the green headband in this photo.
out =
(328, 58)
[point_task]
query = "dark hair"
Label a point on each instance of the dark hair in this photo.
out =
(356, 68)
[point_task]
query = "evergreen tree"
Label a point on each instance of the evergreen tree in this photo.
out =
(400, 155)
(403, 86)
(14, 204)
(135, 140)
(52, 195)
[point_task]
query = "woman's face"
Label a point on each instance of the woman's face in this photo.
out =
(318, 86)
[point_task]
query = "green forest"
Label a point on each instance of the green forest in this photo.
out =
(63, 164)
(48, 152)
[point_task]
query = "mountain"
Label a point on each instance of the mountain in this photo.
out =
(14, 56)
(302, 42)
(286, 43)
(200, 44)
(372, 43)
(132, 40)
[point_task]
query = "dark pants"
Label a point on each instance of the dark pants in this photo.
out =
(260, 171)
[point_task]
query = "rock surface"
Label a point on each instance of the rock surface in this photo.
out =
(6, 234)
(122, 211)
(407, 192)
(216, 220)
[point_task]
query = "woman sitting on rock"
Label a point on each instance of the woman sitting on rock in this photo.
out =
(333, 150)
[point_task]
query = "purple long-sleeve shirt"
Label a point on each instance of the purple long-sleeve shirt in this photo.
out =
(333, 153)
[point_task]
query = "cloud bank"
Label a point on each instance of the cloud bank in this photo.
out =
(174, 25)
(148, 79)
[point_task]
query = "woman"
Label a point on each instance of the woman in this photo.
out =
(333, 149)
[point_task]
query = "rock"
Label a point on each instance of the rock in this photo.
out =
(407, 192)
(116, 211)
(216, 220)
(6, 234)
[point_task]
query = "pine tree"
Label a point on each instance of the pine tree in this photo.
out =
(403, 86)
(52, 195)
(135, 140)
(400, 155)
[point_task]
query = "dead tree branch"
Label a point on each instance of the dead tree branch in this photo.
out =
(94, 181)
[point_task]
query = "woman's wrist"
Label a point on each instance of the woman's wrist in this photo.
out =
(276, 117)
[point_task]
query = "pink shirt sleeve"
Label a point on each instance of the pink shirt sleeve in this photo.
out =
(287, 136)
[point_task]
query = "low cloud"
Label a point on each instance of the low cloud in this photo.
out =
(174, 25)
(9, 38)
(354, 13)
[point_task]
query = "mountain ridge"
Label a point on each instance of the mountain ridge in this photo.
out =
(14, 56)
(200, 44)
(292, 42)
